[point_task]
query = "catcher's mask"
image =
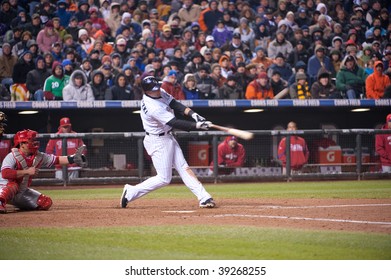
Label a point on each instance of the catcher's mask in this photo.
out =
(150, 83)
(27, 136)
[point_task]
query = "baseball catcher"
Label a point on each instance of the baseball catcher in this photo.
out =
(21, 165)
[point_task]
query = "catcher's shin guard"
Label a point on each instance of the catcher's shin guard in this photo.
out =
(44, 202)
(8, 192)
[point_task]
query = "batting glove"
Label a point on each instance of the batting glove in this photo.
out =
(204, 125)
(197, 117)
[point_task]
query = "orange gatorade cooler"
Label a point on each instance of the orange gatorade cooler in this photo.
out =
(365, 155)
(330, 155)
(198, 153)
(348, 155)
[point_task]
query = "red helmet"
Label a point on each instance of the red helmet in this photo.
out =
(29, 136)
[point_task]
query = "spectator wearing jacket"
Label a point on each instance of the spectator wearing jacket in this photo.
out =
(189, 87)
(377, 82)
(47, 37)
(300, 89)
(7, 63)
(122, 90)
(279, 45)
(230, 155)
(189, 13)
(383, 146)
(323, 88)
(22, 67)
(55, 83)
(166, 40)
(221, 34)
(231, 89)
(99, 88)
(260, 88)
(281, 66)
(171, 85)
(299, 152)
(78, 88)
(36, 78)
(351, 78)
(317, 61)
(209, 18)
(206, 84)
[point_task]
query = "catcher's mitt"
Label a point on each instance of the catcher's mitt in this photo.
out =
(78, 158)
(3, 123)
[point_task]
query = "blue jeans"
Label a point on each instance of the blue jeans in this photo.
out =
(351, 93)
(38, 95)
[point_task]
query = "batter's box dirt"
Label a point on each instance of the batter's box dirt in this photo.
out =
(366, 215)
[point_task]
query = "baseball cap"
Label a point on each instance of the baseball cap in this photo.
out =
(302, 10)
(65, 122)
(209, 38)
(35, 16)
(66, 62)
(388, 118)
(172, 73)
(121, 41)
(166, 28)
(262, 75)
(236, 35)
(154, 11)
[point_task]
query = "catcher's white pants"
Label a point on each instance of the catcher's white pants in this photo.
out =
(166, 153)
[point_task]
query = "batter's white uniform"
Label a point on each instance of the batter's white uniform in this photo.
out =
(164, 150)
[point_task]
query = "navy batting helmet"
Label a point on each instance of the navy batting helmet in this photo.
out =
(150, 83)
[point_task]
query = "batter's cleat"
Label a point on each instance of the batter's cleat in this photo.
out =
(124, 200)
(2, 208)
(209, 203)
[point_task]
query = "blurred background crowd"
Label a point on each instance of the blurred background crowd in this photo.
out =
(100, 50)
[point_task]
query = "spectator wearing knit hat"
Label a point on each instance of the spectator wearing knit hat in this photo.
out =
(47, 37)
(259, 88)
(281, 66)
(231, 89)
(300, 89)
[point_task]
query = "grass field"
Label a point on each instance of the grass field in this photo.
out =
(203, 242)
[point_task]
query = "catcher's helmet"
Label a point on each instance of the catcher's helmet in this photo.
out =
(28, 136)
(150, 83)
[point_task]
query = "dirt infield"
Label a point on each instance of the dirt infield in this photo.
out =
(361, 215)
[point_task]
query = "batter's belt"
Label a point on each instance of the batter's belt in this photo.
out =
(160, 134)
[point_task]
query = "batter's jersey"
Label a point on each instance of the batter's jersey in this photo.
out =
(156, 113)
(10, 162)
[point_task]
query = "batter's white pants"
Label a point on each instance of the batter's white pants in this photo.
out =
(166, 154)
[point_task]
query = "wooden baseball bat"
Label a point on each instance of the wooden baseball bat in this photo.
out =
(246, 135)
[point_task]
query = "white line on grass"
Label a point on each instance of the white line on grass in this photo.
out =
(301, 218)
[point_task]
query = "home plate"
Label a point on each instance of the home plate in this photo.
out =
(183, 211)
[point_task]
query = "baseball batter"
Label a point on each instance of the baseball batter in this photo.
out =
(158, 118)
(21, 165)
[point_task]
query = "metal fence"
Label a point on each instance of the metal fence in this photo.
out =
(120, 157)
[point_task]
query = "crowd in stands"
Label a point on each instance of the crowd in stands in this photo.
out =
(286, 49)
